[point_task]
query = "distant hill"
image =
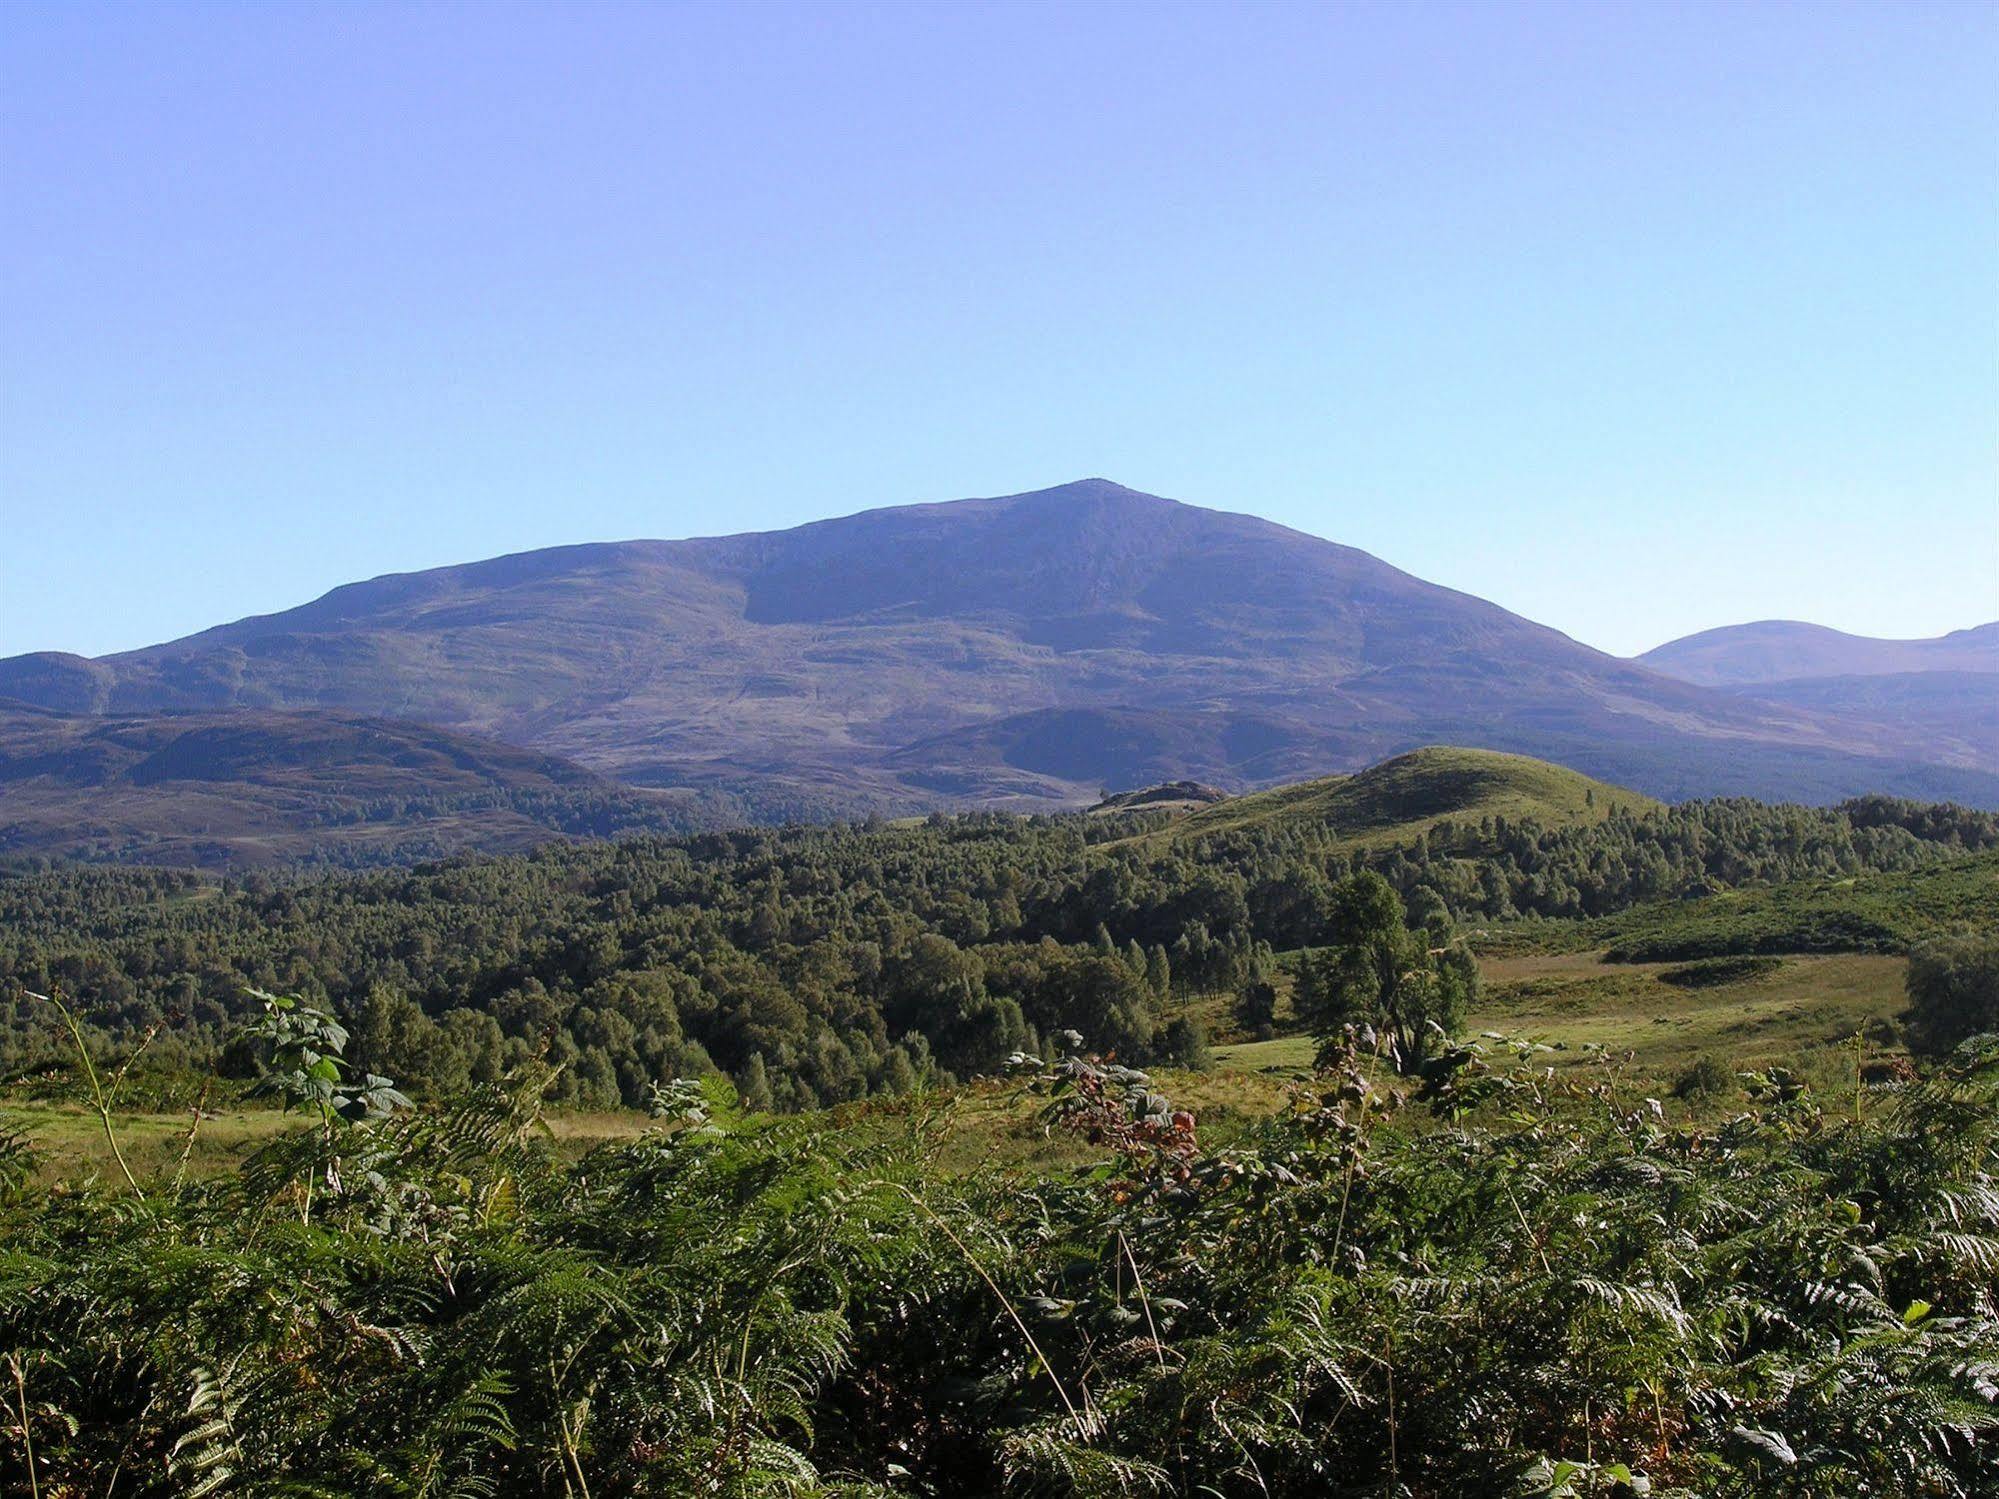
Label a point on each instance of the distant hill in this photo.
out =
(1169, 796)
(1023, 651)
(1785, 650)
(1391, 803)
(1056, 754)
(251, 787)
(1946, 689)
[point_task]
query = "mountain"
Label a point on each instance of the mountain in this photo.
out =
(1022, 651)
(1390, 803)
(1787, 650)
(1946, 689)
(247, 787)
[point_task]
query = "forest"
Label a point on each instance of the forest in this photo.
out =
(815, 965)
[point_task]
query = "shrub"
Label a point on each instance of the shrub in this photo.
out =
(1953, 988)
(1704, 1077)
(1712, 973)
(1184, 1043)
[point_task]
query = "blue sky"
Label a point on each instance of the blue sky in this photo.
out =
(1635, 319)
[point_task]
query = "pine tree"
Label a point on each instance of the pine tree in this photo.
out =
(755, 1084)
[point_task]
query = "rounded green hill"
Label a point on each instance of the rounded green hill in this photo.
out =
(1392, 802)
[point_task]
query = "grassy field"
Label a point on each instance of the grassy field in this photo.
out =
(983, 1123)
(70, 1137)
(1801, 1012)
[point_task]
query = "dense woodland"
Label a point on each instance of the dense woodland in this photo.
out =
(814, 965)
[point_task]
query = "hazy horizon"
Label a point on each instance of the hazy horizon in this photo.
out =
(1636, 323)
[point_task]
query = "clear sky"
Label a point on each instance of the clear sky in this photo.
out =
(1636, 319)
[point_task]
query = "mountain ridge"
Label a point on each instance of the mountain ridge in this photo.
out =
(907, 657)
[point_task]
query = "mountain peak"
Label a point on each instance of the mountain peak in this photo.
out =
(1078, 495)
(1091, 488)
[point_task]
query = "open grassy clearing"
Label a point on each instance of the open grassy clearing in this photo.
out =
(70, 1138)
(985, 1123)
(71, 1142)
(1278, 1056)
(1804, 1012)
(1801, 1012)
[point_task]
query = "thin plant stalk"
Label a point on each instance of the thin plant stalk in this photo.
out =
(27, 1436)
(193, 1128)
(993, 1286)
(101, 1100)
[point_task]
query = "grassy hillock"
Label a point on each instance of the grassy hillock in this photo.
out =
(1392, 802)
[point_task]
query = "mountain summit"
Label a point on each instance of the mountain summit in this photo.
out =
(1789, 650)
(1022, 650)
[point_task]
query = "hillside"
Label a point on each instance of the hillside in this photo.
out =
(1391, 803)
(1786, 650)
(1023, 651)
(1959, 705)
(251, 787)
